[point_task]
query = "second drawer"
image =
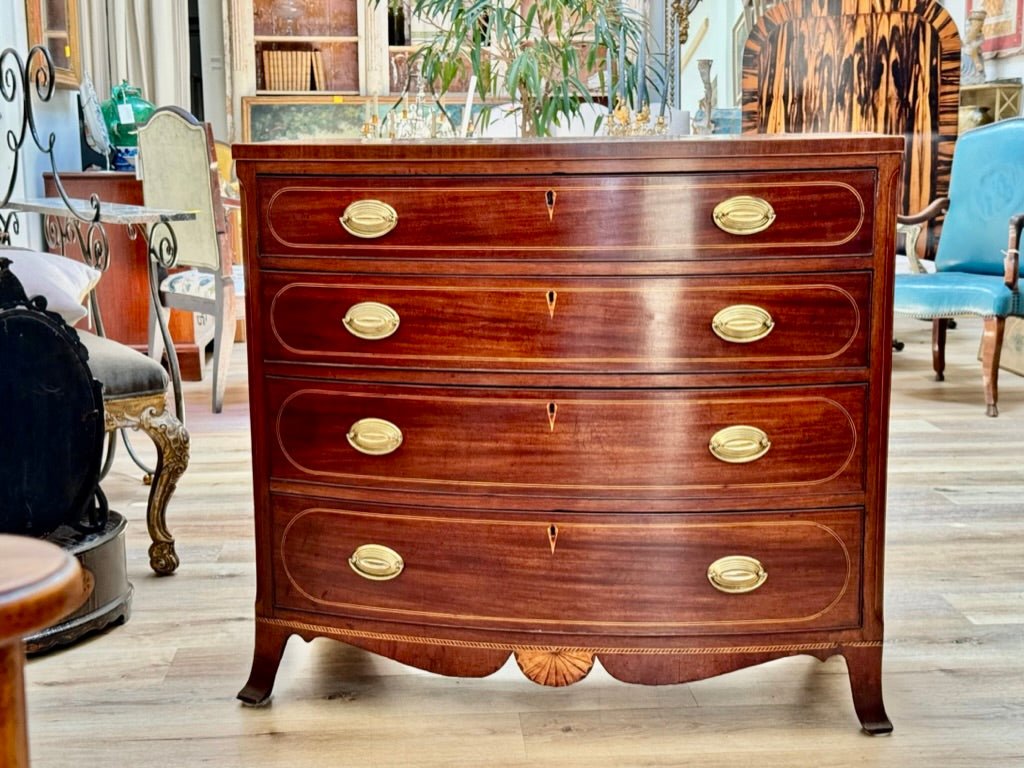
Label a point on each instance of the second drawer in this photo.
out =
(564, 324)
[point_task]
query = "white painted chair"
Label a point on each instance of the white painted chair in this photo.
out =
(179, 171)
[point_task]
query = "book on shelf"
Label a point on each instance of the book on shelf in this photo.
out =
(318, 71)
(291, 70)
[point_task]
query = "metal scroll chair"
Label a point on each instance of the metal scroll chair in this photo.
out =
(179, 172)
(977, 271)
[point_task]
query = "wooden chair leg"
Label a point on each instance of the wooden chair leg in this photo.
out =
(223, 340)
(939, 326)
(150, 415)
(991, 350)
(155, 340)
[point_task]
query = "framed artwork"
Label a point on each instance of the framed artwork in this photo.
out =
(315, 118)
(1002, 24)
(306, 118)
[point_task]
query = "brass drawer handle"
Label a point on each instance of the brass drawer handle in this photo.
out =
(369, 218)
(376, 562)
(736, 574)
(743, 215)
(742, 323)
(374, 437)
(370, 320)
(739, 444)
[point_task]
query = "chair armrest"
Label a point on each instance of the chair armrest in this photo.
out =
(911, 234)
(935, 208)
(1011, 264)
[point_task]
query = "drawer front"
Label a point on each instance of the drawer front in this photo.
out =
(571, 573)
(649, 217)
(627, 325)
(652, 443)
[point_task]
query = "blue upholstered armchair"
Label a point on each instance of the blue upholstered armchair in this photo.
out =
(977, 267)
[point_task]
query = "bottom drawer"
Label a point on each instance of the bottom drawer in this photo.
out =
(571, 572)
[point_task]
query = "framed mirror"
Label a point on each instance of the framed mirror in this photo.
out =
(55, 24)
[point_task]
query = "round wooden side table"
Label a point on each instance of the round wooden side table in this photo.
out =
(39, 583)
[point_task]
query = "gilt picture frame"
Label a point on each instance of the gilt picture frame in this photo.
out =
(319, 117)
(306, 118)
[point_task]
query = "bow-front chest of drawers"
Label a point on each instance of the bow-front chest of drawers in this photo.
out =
(572, 400)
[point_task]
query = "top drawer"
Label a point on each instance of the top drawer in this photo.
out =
(640, 218)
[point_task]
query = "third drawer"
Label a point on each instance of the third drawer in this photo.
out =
(662, 444)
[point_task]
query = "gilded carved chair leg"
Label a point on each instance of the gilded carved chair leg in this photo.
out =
(150, 415)
(991, 349)
(939, 326)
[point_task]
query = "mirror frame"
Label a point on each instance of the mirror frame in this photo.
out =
(66, 77)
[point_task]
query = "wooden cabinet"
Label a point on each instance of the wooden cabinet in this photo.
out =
(305, 45)
(620, 400)
(1002, 98)
(301, 46)
(54, 25)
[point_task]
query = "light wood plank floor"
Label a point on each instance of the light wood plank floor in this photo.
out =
(159, 691)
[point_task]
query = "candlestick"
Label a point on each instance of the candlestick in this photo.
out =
(641, 59)
(608, 81)
(622, 64)
(466, 111)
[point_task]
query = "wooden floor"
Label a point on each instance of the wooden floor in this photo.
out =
(159, 691)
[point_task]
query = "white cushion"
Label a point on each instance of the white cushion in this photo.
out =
(64, 282)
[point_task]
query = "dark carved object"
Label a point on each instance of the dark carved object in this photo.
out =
(837, 65)
(51, 420)
(101, 554)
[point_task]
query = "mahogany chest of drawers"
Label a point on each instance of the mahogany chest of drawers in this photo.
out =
(572, 400)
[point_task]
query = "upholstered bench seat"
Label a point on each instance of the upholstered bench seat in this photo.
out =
(953, 294)
(121, 370)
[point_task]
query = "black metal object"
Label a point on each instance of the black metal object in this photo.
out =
(51, 420)
(22, 81)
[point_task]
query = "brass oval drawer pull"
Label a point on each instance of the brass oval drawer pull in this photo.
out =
(376, 562)
(370, 320)
(369, 218)
(374, 437)
(736, 574)
(739, 444)
(742, 323)
(743, 215)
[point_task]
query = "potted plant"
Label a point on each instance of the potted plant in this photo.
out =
(547, 57)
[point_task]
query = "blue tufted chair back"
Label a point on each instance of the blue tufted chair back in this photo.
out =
(985, 189)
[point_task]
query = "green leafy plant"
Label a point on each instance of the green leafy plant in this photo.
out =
(545, 56)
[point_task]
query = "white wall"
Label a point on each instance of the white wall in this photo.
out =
(58, 117)
(211, 45)
(716, 44)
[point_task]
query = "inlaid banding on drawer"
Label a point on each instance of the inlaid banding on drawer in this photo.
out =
(584, 584)
(641, 324)
(647, 442)
(512, 217)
